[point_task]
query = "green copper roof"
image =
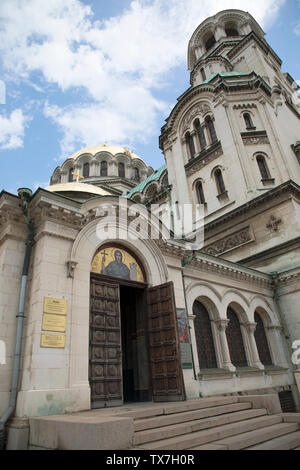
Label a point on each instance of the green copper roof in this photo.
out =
(223, 74)
(154, 177)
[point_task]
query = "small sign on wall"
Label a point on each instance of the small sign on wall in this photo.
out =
(54, 321)
(53, 340)
(55, 306)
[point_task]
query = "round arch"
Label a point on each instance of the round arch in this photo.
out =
(84, 248)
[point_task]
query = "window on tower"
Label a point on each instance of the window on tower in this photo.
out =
(211, 41)
(200, 133)
(121, 170)
(263, 168)
(70, 177)
(190, 144)
(211, 129)
(231, 32)
(136, 174)
(220, 181)
(86, 170)
(103, 168)
(200, 193)
(203, 74)
(248, 121)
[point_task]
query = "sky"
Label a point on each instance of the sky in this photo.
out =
(78, 73)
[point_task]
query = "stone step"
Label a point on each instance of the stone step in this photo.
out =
(178, 429)
(250, 438)
(206, 436)
(167, 420)
(287, 442)
(178, 407)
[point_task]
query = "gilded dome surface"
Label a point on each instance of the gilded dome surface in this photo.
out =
(112, 149)
(78, 187)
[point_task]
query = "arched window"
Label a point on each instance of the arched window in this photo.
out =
(190, 144)
(261, 341)
(220, 181)
(200, 193)
(103, 168)
(235, 340)
(210, 42)
(204, 337)
(211, 129)
(136, 174)
(248, 121)
(70, 177)
(203, 74)
(121, 170)
(86, 170)
(231, 32)
(263, 168)
(200, 132)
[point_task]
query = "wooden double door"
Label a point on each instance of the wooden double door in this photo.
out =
(134, 351)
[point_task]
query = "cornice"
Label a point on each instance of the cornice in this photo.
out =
(206, 60)
(218, 84)
(261, 42)
(230, 270)
(45, 211)
(287, 187)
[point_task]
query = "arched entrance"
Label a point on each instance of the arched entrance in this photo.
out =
(133, 345)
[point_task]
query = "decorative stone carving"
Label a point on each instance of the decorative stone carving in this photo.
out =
(230, 242)
(197, 110)
(221, 324)
(202, 160)
(71, 265)
(244, 106)
(255, 140)
(273, 223)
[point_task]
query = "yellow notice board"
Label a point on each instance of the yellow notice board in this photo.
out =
(54, 322)
(53, 340)
(55, 306)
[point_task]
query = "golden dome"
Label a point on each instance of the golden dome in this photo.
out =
(78, 188)
(112, 149)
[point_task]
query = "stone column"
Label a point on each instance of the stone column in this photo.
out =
(250, 328)
(186, 151)
(207, 135)
(277, 345)
(222, 325)
(196, 142)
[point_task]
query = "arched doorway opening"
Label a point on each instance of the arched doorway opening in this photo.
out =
(134, 351)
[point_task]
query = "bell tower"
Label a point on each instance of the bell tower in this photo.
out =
(234, 134)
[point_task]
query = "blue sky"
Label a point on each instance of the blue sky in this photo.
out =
(82, 72)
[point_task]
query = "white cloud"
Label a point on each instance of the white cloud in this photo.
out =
(12, 129)
(297, 29)
(120, 63)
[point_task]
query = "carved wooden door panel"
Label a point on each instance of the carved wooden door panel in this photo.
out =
(105, 354)
(167, 378)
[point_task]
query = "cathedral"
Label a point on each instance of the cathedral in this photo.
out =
(93, 319)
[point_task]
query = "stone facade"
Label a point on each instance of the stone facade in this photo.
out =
(246, 109)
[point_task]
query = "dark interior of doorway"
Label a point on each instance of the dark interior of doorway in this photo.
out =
(135, 348)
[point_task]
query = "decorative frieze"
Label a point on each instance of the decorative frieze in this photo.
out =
(244, 106)
(230, 242)
(204, 158)
(255, 138)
